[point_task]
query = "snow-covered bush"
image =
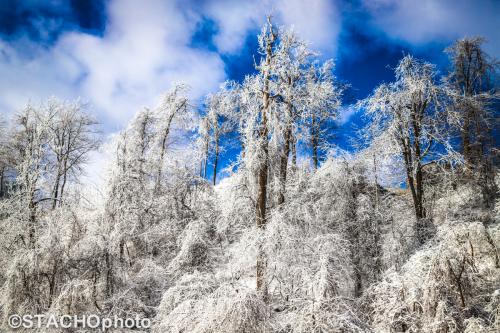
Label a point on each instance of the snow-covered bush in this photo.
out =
(443, 287)
(197, 304)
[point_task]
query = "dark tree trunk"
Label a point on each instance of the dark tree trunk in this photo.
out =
(314, 142)
(287, 137)
(263, 168)
(205, 162)
(216, 160)
(55, 190)
(163, 151)
(262, 171)
(412, 155)
(262, 202)
(466, 140)
(2, 180)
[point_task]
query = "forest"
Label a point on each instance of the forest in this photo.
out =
(292, 235)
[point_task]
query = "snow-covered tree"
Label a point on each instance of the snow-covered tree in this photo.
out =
(323, 95)
(220, 119)
(6, 158)
(36, 241)
(471, 88)
(408, 116)
(73, 136)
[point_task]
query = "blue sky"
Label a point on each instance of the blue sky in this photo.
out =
(121, 55)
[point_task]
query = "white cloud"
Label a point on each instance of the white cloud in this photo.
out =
(346, 112)
(24, 79)
(145, 49)
(317, 21)
(423, 21)
(234, 20)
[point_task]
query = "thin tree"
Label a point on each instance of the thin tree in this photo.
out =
(407, 115)
(219, 121)
(292, 57)
(73, 136)
(470, 86)
(267, 41)
(174, 105)
(322, 107)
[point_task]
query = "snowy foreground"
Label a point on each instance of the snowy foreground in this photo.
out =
(340, 257)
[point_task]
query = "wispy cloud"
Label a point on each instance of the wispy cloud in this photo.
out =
(144, 49)
(317, 21)
(346, 112)
(419, 22)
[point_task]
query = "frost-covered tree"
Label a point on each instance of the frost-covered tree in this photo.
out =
(407, 115)
(73, 136)
(276, 104)
(471, 87)
(173, 108)
(323, 96)
(220, 120)
(30, 141)
(291, 60)
(257, 104)
(6, 158)
(36, 241)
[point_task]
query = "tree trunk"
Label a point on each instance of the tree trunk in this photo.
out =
(287, 137)
(62, 188)
(55, 189)
(416, 188)
(314, 141)
(261, 201)
(264, 166)
(216, 159)
(413, 162)
(375, 181)
(466, 139)
(162, 151)
(205, 162)
(419, 186)
(2, 179)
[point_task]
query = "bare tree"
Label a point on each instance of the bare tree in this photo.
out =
(470, 86)
(220, 120)
(267, 41)
(323, 103)
(5, 157)
(173, 106)
(407, 114)
(73, 135)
